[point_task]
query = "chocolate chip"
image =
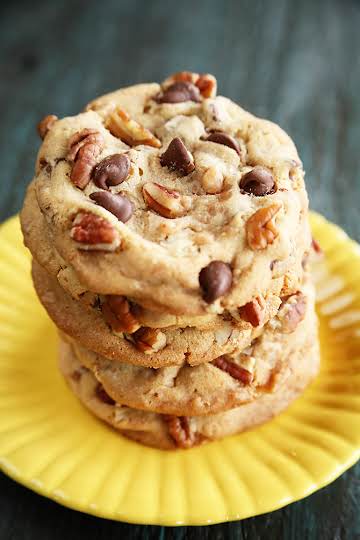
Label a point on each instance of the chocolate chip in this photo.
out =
(177, 157)
(179, 92)
(115, 203)
(223, 138)
(259, 181)
(215, 280)
(111, 171)
(103, 396)
(45, 165)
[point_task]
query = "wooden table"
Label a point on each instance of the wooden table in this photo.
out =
(296, 62)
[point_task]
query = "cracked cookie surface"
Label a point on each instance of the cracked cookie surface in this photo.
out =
(188, 345)
(171, 208)
(213, 386)
(171, 432)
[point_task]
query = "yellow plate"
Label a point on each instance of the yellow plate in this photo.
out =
(51, 444)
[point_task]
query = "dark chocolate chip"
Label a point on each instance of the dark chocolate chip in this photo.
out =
(115, 203)
(259, 181)
(103, 396)
(111, 171)
(215, 280)
(177, 157)
(44, 165)
(179, 92)
(223, 138)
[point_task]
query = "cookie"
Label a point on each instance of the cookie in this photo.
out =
(171, 432)
(38, 240)
(186, 207)
(148, 347)
(215, 386)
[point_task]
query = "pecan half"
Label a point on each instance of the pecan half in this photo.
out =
(93, 231)
(149, 340)
(166, 202)
(117, 313)
(254, 311)
(84, 148)
(237, 372)
(128, 130)
(46, 124)
(292, 312)
(180, 432)
(260, 227)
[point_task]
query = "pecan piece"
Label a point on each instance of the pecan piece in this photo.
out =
(234, 370)
(260, 228)
(149, 340)
(292, 311)
(46, 124)
(207, 85)
(117, 313)
(85, 147)
(179, 430)
(166, 202)
(93, 231)
(128, 130)
(253, 312)
(316, 246)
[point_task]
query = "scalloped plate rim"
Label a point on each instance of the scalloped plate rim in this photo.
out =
(21, 477)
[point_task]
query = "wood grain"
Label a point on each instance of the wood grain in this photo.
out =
(296, 62)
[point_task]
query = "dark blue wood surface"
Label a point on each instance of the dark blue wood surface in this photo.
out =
(295, 62)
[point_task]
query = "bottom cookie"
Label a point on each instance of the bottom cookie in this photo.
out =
(171, 432)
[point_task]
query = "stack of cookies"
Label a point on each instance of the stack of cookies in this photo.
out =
(170, 241)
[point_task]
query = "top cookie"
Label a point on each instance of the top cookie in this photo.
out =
(172, 196)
